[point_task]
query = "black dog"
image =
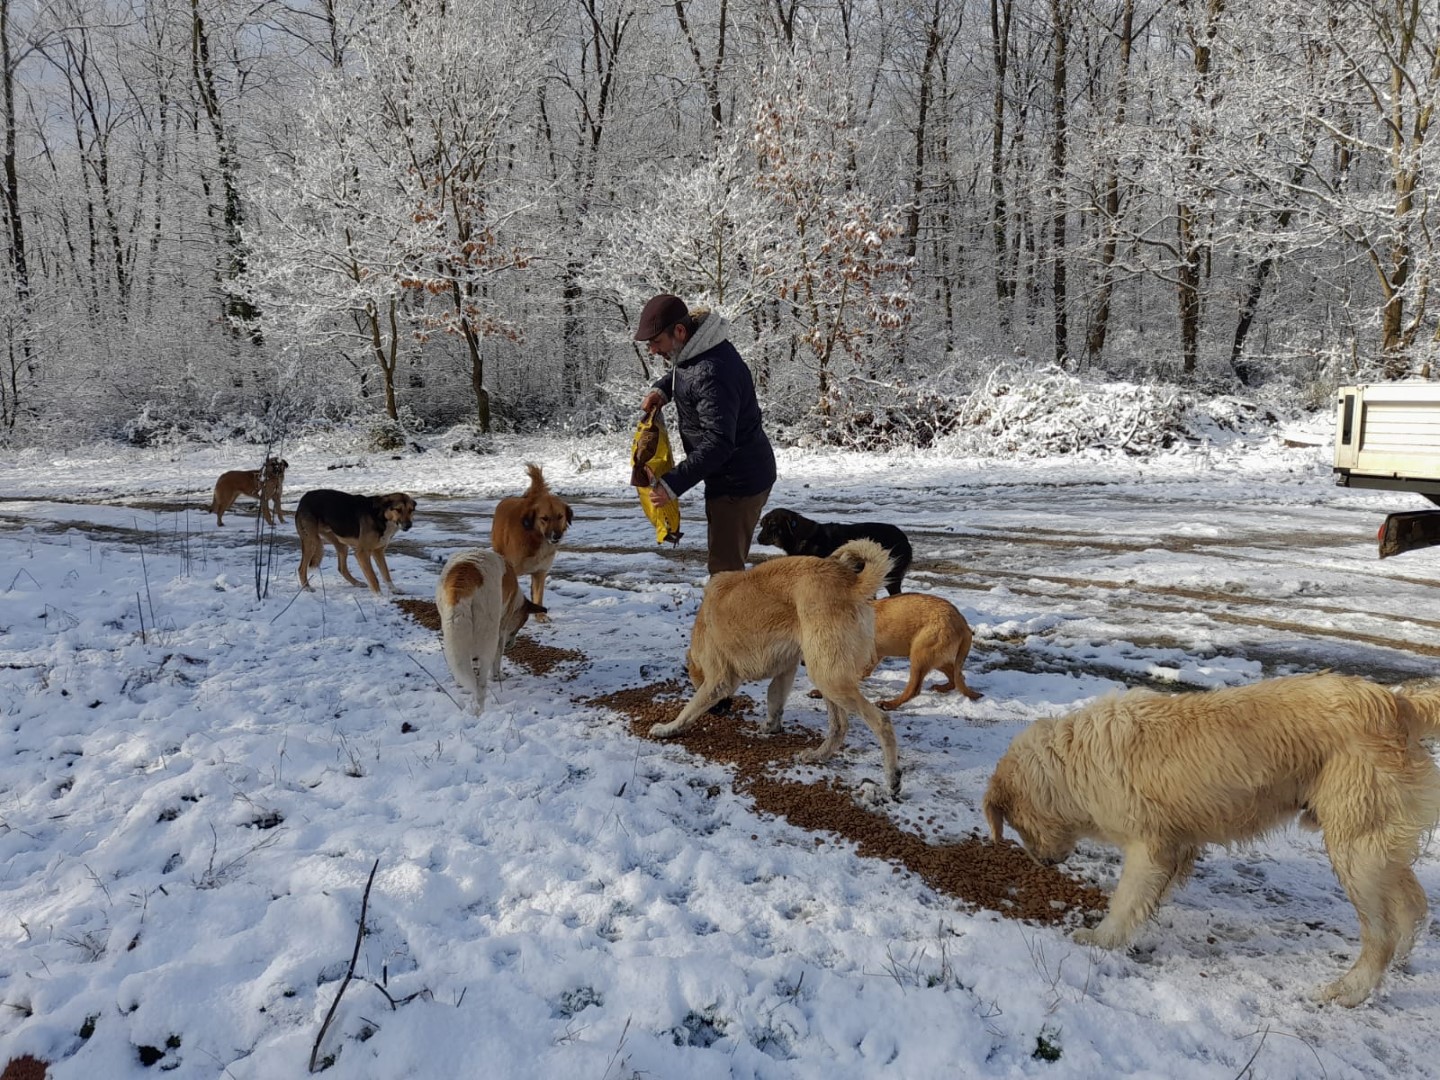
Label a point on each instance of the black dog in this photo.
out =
(796, 534)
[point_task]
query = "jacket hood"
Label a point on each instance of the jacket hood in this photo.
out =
(710, 330)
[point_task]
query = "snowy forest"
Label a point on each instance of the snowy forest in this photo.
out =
(220, 216)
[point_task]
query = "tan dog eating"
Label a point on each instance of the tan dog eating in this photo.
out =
(1161, 776)
(481, 611)
(761, 622)
(264, 483)
(527, 531)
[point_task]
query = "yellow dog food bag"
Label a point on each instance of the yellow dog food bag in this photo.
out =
(651, 446)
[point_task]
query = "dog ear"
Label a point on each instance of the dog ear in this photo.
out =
(527, 522)
(569, 516)
(532, 608)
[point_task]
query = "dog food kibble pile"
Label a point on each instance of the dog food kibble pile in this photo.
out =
(999, 878)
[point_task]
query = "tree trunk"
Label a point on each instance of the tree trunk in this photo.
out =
(1060, 16)
(1189, 224)
(385, 349)
(20, 357)
(1100, 320)
(237, 307)
(709, 74)
(1000, 12)
(922, 113)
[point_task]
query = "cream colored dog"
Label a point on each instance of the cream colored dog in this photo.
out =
(1160, 776)
(481, 611)
(761, 622)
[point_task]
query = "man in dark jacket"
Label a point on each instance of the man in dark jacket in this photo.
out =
(719, 421)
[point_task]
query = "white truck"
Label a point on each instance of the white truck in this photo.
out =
(1387, 436)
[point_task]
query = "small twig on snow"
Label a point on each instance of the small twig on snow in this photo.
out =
(350, 974)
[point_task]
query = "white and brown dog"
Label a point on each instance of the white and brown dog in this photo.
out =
(481, 611)
(527, 531)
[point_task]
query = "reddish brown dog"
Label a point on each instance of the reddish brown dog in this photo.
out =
(263, 484)
(932, 633)
(527, 531)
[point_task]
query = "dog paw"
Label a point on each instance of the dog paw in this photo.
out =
(812, 756)
(891, 704)
(1343, 991)
(869, 794)
(662, 731)
(541, 617)
(1100, 936)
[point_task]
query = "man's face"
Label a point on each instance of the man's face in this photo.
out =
(668, 343)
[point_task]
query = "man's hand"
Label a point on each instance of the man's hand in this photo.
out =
(651, 401)
(659, 493)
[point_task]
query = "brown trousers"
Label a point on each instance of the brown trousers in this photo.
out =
(730, 526)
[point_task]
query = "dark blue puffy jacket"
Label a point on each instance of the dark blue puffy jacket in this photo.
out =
(714, 395)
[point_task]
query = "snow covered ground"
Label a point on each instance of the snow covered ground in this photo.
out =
(195, 783)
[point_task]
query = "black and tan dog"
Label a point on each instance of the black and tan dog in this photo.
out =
(264, 483)
(365, 522)
(796, 534)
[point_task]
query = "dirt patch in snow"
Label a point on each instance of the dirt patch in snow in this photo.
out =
(1000, 878)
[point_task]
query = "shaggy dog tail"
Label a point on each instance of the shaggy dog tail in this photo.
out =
(1420, 709)
(538, 486)
(870, 563)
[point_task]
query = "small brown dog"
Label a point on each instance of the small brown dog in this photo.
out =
(527, 531)
(365, 522)
(264, 483)
(761, 622)
(932, 633)
(481, 611)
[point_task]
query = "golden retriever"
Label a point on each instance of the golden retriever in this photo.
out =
(264, 483)
(527, 531)
(481, 611)
(365, 522)
(1160, 776)
(761, 622)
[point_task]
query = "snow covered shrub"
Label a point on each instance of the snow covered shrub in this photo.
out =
(467, 438)
(158, 424)
(877, 416)
(1043, 412)
(386, 434)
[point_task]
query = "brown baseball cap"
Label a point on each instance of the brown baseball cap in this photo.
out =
(660, 314)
